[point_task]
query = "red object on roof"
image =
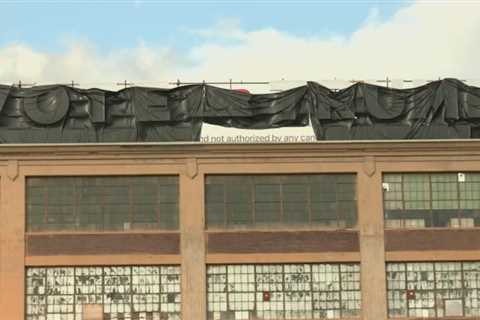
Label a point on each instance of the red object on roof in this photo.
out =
(242, 90)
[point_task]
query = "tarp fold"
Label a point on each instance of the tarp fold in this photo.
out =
(443, 109)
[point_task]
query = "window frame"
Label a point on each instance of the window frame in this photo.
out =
(220, 219)
(437, 287)
(274, 279)
(431, 215)
(102, 205)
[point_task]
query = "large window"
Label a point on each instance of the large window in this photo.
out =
(234, 201)
(431, 290)
(125, 293)
(418, 200)
(102, 203)
(283, 291)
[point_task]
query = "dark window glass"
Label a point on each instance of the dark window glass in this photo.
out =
(102, 203)
(236, 201)
(440, 200)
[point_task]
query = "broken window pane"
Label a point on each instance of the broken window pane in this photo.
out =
(283, 291)
(433, 290)
(128, 292)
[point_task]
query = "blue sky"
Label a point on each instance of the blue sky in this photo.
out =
(48, 25)
(155, 42)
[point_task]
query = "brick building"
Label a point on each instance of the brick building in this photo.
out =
(328, 230)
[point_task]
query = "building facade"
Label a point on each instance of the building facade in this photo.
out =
(329, 230)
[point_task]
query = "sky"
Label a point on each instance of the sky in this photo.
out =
(126, 24)
(100, 43)
(154, 43)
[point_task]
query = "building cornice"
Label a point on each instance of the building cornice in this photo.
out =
(325, 149)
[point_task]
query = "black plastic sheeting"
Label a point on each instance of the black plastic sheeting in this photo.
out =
(446, 109)
(259, 111)
(60, 114)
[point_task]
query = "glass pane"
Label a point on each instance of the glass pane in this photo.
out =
(99, 203)
(283, 291)
(295, 193)
(168, 216)
(416, 191)
(470, 192)
(296, 213)
(123, 292)
(215, 193)
(267, 212)
(433, 289)
(345, 191)
(240, 213)
(239, 193)
(281, 200)
(322, 192)
(446, 200)
(146, 213)
(215, 214)
(392, 192)
(347, 214)
(267, 193)
(444, 191)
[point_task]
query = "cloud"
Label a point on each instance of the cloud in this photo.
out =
(224, 29)
(423, 40)
(82, 62)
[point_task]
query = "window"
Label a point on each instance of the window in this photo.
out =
(126, 292)
(418, 200)
(237, 201)
(102, 203)
(431, 290)
(283, 291)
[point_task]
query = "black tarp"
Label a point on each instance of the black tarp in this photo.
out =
(439, 110)
(56, 114)
(255, 111)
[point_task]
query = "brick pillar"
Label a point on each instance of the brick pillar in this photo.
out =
(192, 246)
(12, 246)
(372, 248)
